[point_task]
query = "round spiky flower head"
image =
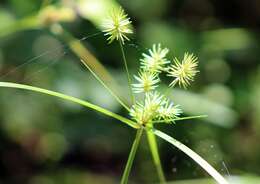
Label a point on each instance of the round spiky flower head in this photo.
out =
(117, 26)
(145, 112)
(146, 82)
(155, 107)
(155, 60)
(169, 111)
(184, 71)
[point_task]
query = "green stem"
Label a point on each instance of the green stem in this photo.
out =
(155, 154)
(127, 71)
(106, 87)
(131, 157)
(85, 55)
(88, 59)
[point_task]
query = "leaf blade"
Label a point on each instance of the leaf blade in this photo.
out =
(204, 164)
(71, 99)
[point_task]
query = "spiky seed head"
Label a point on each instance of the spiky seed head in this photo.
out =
(145, 112)
(169, 111)
(137, 111)
(146, 82)
(153, 100)
(156, 59)
(117, 26)
(183, 72)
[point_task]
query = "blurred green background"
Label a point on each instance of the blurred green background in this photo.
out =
(44, 140)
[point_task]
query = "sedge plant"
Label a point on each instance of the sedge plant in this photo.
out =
(149, 104)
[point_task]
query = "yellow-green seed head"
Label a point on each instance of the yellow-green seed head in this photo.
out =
(155, 107)
(155, 61)
(183, 72)
(117, 26)
(146, 82)
(169, 111)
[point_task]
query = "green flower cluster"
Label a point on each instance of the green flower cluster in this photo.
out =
(155, 106)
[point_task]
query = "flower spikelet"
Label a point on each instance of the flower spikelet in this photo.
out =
(146, 82)
(156, 59)
(183, 71)
(169, 111)
(148, 111)
(117, 26)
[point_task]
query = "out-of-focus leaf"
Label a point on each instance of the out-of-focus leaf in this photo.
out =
(195, 104)
(6, 20)
(228, 39)
(156, 8)
(96, 10)
(52, 14)
(23, 8)
(14, 26)
(178, 40)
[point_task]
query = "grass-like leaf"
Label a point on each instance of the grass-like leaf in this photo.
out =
(204, 164)
(71, 99)
(181, 118)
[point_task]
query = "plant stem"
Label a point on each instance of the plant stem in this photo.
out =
(127, 71)
(88, 59)
(107, 88)
(155, 154)
(85, 55)
(131, 156)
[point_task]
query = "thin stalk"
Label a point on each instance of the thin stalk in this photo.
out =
(88, 59)
(155, 154)
(83, 53)
(72, 99)
(127, 71)
(131, 156)
(106, 87)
